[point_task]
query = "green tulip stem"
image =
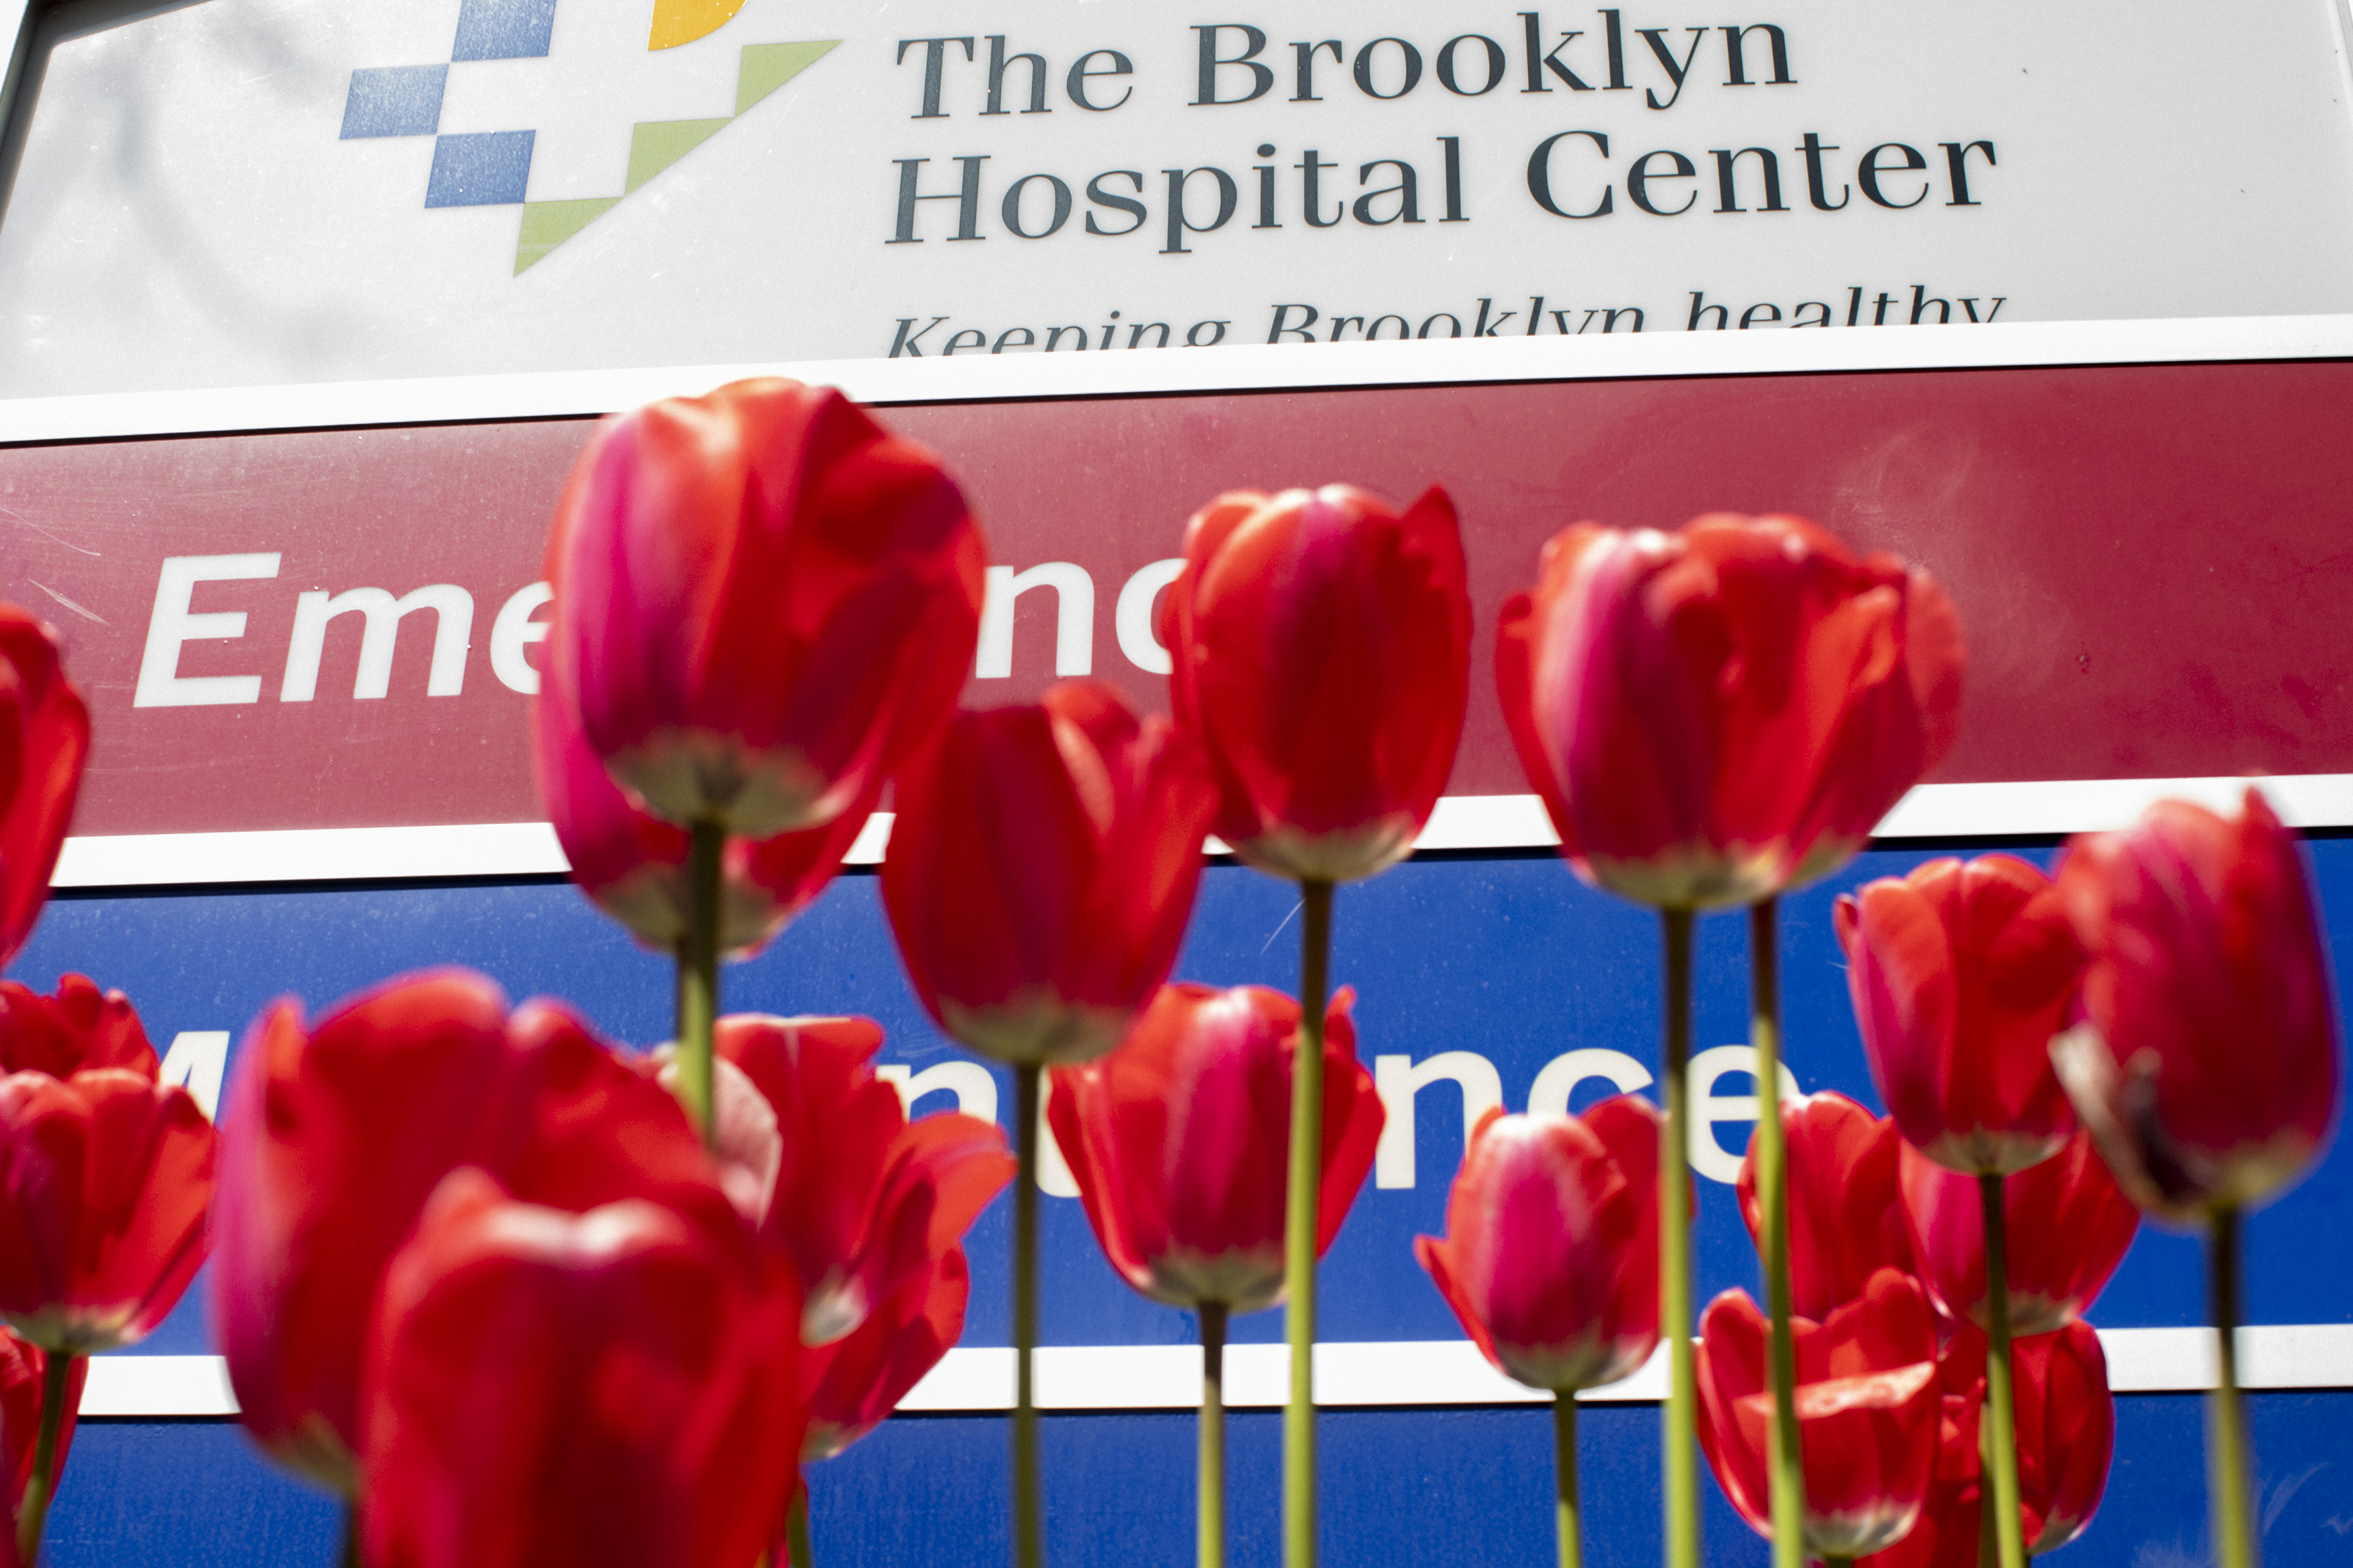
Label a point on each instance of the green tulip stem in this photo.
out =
(1209, 1482)
(1564, 1464)
(2227, 1455)
(2002, 1417)
(1029, 1532)
(1679, 1466)
(33, 1516)
(698, 978)
(351, 1556)
(1985, 1507)
(1785, 1462)
(1305, 1194)
(796, 1530)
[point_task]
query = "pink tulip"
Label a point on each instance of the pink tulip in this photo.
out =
(1551, 1255)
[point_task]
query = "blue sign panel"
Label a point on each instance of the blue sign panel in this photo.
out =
(1506, 962)
(1510, 961)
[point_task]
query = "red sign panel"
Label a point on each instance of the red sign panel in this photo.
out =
(327, 629)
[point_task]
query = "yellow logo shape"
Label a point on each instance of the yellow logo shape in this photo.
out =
(680, 22)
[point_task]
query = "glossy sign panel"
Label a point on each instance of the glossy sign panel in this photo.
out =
(2103, 532)
(1504, 964)
(1474, 977)
(288, 191)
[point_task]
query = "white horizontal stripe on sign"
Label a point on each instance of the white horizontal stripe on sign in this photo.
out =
(1460, 822)
(309, 855)
(157, 1385)
(1239, 368)
(1404, 1371)
(2084, 806)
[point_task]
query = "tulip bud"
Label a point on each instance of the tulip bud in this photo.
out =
(1321, 648)
(2207, 1064)
(1716, 715)
(1180, 1141)
(1551, 1255)
(765, 603)
(1961, 974)
(1041, 870)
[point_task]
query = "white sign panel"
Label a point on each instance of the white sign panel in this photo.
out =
(263, 192)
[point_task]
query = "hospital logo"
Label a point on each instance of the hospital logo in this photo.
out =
(560, 96)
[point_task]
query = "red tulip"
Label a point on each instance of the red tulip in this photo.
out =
(1041, 870)
(634, 865)
(2066, 1227)
(2066, 1433)
(2066, 1436)
(1180, 1141)
(2207, 1065)
(1945, 1535)
(44, 739)
(1715, 715)
(1961, 974)
(1322, 653)
(24, 1370)
(79, 1027)
(107, 1177)
(864, 1201)
(856, 1382)
(1551, 1255)
(332, 1138)
(1868, 1413)
(764, 602)
(551, 1387)
(1846, 1212)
